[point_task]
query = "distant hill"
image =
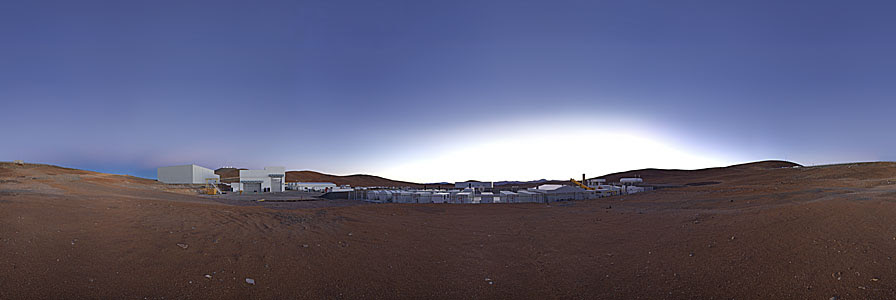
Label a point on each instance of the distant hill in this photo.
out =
(359, 180)
(700, 176)
(229, 175)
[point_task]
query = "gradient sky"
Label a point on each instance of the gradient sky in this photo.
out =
(446, 90)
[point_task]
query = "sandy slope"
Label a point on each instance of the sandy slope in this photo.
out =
(757, 233)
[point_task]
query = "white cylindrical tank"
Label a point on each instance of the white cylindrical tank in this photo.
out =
(631, 180)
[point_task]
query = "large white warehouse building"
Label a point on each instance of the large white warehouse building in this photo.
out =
(187, 174)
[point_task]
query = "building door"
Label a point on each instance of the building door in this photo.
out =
(252, 187)
(276, 185)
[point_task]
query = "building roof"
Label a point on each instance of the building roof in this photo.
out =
(550, 187)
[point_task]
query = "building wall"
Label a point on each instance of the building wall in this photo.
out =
(264, 177)
(185, 174)
(200, 174)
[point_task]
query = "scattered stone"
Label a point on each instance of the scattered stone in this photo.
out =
(184, 246)
(875, 279)
(250, 281)
(732, 237)
(691, 254)
(208, 276)
(305, 246)
(349, 234)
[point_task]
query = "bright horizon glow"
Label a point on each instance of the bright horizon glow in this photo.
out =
(561, 151)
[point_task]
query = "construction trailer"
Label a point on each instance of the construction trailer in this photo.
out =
(403, 197)
(440, 197)
(527, 197)
(311, 186)
(479, 185)
(509, 197)
(384, 196)
(187, 174)
(556, 192)
(463, 197)
(422, 197)
(595, 182)
(489, 197)
(270, 179)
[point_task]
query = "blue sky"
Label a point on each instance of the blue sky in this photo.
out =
(446, 90)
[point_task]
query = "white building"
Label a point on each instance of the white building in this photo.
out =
(557, 192)
(630, 181)
(311, 186)
(488, 197)
(257, 181)
(187, 174)
(595, 182)
(527, 197)
(440, 197)
(474, 184)
(508, 197)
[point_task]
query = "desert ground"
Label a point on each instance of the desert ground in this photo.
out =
(756, 231)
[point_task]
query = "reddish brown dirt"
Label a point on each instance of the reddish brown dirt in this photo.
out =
(765, 233)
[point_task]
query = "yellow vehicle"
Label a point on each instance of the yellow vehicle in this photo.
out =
(212, 186)
(581, 185)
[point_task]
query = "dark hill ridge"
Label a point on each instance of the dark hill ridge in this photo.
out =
(700, 176)
(353, 180)
(229, 175)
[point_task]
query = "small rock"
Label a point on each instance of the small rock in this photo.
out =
(208, 276)
(691, 254)
(183, 245)
(250, 281)
(875, 279)
(305, 246)
(349, 234)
